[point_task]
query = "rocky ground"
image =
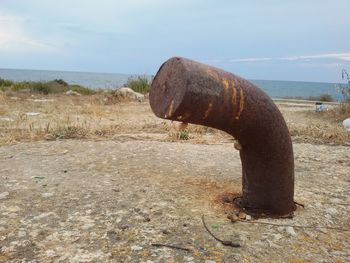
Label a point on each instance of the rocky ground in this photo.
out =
(110, 200)
(88, 179)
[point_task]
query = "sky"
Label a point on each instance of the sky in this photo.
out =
(303, 40)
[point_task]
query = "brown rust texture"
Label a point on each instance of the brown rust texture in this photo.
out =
(196, 93)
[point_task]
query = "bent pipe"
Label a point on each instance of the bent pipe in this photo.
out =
(191, 92)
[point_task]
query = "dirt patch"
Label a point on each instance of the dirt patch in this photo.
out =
(108, 201)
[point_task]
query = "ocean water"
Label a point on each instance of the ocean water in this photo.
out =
(274, 88)
(87, 79)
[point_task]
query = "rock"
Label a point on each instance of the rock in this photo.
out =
(136, 248)
(13, 209)
(47, 194)
(346, 124)
(112, 236)
(6, 119)
(165, 231)
(331, 211)
(123, 226)
(277, 237)
(233, 217)
(248, 217)
(72, 93)
(232, 258)
(127, 93)
(4, 195)
(290, 231)
(146, 218)
(32, 113)
(242, 215)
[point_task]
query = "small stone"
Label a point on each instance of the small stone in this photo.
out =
(166, 231)
(146, 218)
(277, 237)
(21, 234)
(290, 231)
(112, 236)
(124, 226)
(72, 93)
(233, 217)
(248, 217)
(242, 215)
(13, 209)
(331, 211)
(50, 253)
(210, 261)
(4, 195)
(47, 194)
(136, 248)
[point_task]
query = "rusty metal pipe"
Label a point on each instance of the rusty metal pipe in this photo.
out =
(188, 91)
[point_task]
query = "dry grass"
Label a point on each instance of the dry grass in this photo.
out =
(306, 125)
(103, 116)
(339, 113)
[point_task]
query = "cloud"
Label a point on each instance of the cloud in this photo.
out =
(14, 38)
(250, 59)
(339, 56)
(304, 58)
(320, 65)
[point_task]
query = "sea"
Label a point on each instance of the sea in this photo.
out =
(274, 88)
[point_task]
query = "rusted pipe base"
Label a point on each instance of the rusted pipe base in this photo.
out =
(192, 92)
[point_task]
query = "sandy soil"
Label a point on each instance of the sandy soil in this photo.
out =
(108, 197)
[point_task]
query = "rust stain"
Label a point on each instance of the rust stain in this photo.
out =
(241, 103)
(206, 114)
(225, 83)
(234, 95)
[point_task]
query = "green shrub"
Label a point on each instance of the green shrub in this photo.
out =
(184, 135)
(61, 82)
(40, 87)
(69, 132)
(48, 87)
(141, 84)
(322, 97)
(16, 86)
(5, 83)
(82, 90)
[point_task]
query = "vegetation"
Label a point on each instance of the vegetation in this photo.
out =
(344, 90)
(321, 97)
(48, 87)
(183, 135)
(69, 132)
(343, 110)
(140, 84)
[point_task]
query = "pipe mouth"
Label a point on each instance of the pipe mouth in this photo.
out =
(168, 88)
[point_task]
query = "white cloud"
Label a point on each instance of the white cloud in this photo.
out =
(340, 56)
(14, 38)
(304, 58)
(250, 59)
(320, 65)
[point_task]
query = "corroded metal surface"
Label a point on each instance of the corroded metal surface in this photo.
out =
(191, 92)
